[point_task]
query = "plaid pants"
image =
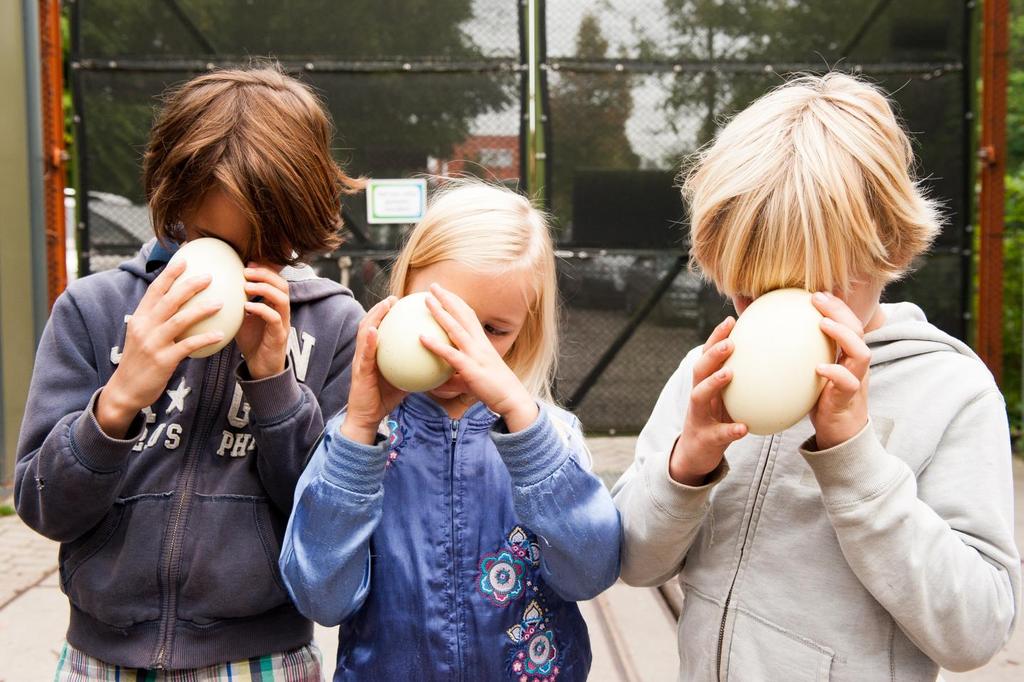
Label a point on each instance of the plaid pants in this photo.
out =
(300, 665)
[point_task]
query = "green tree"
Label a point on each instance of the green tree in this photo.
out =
(588, 113)
(1013, 254)
(387, 123)
(744, 31)
(767, 35)
(1013, 293)
(1015, 94)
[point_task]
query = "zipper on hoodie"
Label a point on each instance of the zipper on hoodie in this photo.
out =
(739, 563)
(454, 571)
(210, 393)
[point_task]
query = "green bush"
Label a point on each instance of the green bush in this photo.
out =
(1013, 297)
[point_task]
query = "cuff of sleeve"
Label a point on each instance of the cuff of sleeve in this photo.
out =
(271, 399)
(855, 470)
(353, 466)
(533, 454)
(94, 448)
(675, 499)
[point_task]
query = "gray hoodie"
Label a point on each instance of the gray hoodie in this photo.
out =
(882, 558)
(170, 537)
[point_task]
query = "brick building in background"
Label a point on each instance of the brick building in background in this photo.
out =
(493, 157)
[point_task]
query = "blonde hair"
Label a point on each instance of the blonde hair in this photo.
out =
(811, 186)
(493, 230)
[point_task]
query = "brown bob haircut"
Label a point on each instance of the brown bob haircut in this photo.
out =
(262, 137)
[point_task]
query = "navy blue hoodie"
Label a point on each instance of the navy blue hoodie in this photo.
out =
(170, 537)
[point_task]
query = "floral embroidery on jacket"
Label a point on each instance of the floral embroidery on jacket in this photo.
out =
(504, 577)
(501, 578)
(395, 438)
(523, 546)
(535, 655)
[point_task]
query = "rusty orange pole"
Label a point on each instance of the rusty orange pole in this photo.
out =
(995, 45)
(55, 156)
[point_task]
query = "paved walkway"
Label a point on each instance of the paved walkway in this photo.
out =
(26, 558)
(632, 629)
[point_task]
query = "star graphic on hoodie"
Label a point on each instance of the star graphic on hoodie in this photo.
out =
(177, 397)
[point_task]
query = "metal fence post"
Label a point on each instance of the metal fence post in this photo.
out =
(83, 244)
(995, 47)
(536, 121)
(54, 155)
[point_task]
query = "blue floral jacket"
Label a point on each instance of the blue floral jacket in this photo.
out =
(452, 550)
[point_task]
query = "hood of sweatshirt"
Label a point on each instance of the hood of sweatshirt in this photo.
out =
(906, 333)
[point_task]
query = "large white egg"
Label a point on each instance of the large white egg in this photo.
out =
(216, 258)
(401, 358)
(779, 344)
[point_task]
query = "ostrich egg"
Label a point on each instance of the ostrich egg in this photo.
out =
(214, 257)
(778, 346)
(401, 358)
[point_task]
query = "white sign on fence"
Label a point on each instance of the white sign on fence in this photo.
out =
(396, 201)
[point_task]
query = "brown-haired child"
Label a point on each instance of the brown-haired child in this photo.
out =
(168, 480)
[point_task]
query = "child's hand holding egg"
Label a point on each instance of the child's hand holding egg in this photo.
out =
(390, 361)
(401, 358)
(778, 348)
(209, 256)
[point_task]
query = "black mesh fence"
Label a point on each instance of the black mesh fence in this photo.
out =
(635, 87)
(629, 89)
(414, 87)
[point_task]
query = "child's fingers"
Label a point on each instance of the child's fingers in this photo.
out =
(842, 379)
(271, 295)
(367, 386)
(718, 409)
(453, 356)
(833, 307)
(255, 272)
(723, 435)
(183, 319)
(712, 359)
(856, 354)
(716, 437)
(720, 332)
(370, 344)
(181, 291)
(458, 308)
(366, 347)
(704, 393)
(366, 354)
(161, 285)
(377, 313)
(364, 361)
(263, 311)
(455, 330)
(182, 349)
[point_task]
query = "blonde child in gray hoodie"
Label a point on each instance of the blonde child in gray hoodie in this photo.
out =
(873, 540)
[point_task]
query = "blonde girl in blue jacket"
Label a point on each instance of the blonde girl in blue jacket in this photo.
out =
(450, 533)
